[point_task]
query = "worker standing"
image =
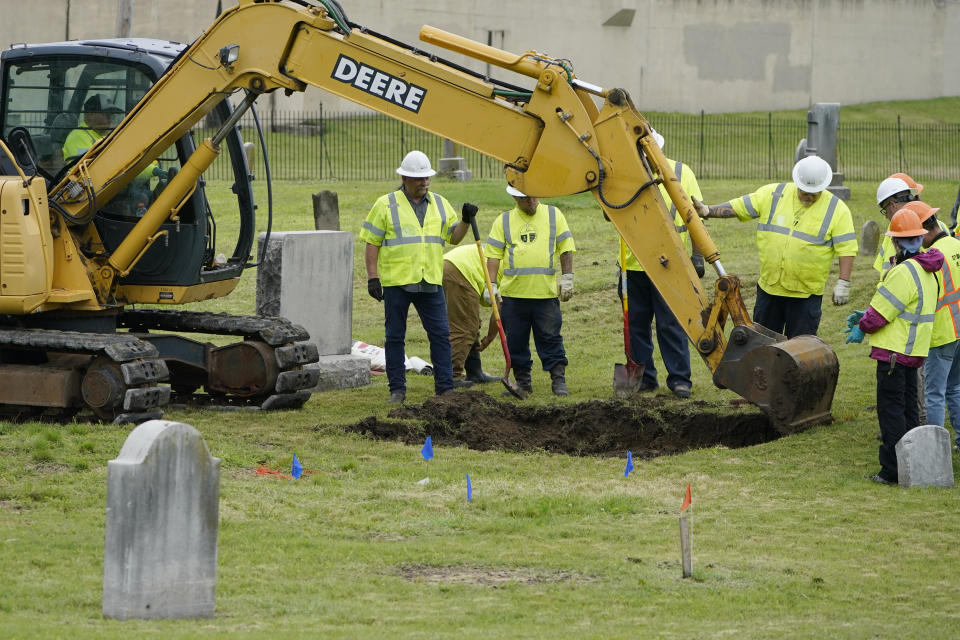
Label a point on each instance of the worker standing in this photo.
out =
(405, 233)
(802, 228)
(644, 303)
(942, 366)
(464, 287)
(892, 194)
(532, 238)
(900, 323)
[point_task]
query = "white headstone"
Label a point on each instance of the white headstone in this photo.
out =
(924, 458)
(160, 554)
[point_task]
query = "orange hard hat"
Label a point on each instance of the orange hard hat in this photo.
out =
(906, 224)
(913, 184)
(922, 209)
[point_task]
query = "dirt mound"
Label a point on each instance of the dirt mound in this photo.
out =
(651, 426)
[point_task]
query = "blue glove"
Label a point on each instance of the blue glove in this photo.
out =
(854, 318)
(856, 334)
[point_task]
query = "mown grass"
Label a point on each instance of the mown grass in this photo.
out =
(789, 539)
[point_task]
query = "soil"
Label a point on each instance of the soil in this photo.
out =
(648, 427)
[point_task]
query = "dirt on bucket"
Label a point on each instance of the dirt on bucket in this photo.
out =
(648, 427)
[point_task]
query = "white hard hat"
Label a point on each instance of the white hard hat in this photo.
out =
(657, 137)
(515, 192)
(812, 174)
(416, 164)
(891, 187)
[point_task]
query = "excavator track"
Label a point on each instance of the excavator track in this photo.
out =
(265, 370)
(53, 375)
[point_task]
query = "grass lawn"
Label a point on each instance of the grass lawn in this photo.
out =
(790, 540)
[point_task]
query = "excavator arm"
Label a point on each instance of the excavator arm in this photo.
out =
(553, 140)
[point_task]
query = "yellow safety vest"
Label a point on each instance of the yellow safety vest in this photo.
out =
(688, 181)
(946, 324)
(797, 244)
(79, 141)
(531, 247)
(887, 250)
(466, 259)
(907, 299)
(409, 253)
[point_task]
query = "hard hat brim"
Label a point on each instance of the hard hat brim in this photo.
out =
(516, 193)
(416, 174)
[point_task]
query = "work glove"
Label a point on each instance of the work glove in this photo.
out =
(375, 289)
(566, 287)
(702, 209)
(486, 294)
(854, 318)
(841, 292)
(856, 334)
(698, 265)
(468, 212)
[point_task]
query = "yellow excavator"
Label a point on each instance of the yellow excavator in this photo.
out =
(80, 242)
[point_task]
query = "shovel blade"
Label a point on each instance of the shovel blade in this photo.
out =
(626, 380)
(513, 388)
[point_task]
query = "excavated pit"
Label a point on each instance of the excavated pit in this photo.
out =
(651, 426)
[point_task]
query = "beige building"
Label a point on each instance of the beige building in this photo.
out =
(671, 55)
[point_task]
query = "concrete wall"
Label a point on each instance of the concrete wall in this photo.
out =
(672, 55)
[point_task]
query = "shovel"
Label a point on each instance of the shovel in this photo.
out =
(511, 386)
(626, 377)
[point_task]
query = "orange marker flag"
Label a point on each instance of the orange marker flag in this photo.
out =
(686, 500)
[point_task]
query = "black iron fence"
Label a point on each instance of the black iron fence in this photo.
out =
(352, 146)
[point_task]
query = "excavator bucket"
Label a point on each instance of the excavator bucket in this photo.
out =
(792, 381)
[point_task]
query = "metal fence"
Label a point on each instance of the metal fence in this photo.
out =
(353, 146)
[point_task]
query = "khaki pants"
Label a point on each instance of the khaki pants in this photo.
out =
(463, 314)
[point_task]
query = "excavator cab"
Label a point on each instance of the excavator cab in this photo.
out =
(45, 91)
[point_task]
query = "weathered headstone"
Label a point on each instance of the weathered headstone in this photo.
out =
(924, 458)
(326, 211)
(453, 166)
(160, 554)
(307, 277)
(869, 238)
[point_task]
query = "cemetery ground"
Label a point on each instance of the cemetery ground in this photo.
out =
(789, 539)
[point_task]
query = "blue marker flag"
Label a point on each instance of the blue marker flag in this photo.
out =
(629, 468)
(469, 489)
(427, 451)
(297, 469)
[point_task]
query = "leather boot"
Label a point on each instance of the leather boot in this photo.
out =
(558, 383)
(524, 381)
(474, 369)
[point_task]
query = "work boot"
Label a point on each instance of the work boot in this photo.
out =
(475, 372)
(462, 384)
(557, 382)
(524, 382)
(397, 397)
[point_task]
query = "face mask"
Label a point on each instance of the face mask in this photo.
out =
(911, 245)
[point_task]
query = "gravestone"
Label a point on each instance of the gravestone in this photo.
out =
(307, 277)
(924, 458)
(869, 238)
(452, 165)
(326, 211)
(160, 553)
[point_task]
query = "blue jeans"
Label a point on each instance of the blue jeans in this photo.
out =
(942, 390)
(432, 309)
(644, 303)
(790, 316)
(542, 316)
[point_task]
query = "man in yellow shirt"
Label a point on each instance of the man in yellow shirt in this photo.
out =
(405, 233)
(531, 239)
(801, 229)
(465, 289)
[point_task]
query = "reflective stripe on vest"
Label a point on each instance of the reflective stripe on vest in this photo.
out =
(819, 239)
(399, 238)
(951, 295)
(511, 269)
(912, 317)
